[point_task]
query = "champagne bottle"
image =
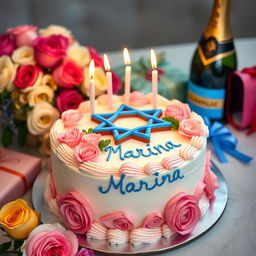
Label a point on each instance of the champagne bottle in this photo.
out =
(213, 60)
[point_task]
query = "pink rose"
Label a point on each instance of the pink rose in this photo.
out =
(50, 239)
(98, 60)
(27, 76)
(116, 83)
(49, 51)
(138, 99)
(191, 127)
(182, 213)
(6, 45)
(210, 179)
(153, 220)
(85, 252)
(87, 152)
(68, 99)
(23, 35)
(179, 111)
(75, 212)
(93, 138)
(118, 220)
(71, 137)
(68, 74)
(71, 117)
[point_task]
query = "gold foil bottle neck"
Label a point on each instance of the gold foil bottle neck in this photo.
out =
(219, 22)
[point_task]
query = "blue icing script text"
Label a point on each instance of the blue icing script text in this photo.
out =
(139, 152)
(133, 187)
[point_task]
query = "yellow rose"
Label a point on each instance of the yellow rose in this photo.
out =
(48, 80)
(41, 118)
(39, 94)
(100, 81)
(55, 30)
(24, 55)
(18, 219)
(79, 54)
(7, 73)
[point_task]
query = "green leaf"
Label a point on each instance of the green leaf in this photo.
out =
(103, 144)
(5, 246)
(174, 122)
(7, 137)
(22, 133)
(17, 244)
(27, 108)
(90, 130)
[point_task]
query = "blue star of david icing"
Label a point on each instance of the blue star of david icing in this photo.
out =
(120, 134)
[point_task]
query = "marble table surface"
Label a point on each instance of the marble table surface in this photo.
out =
(234, 234)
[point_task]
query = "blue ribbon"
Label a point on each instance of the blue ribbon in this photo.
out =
(223, 141)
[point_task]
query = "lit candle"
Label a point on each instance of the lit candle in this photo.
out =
(109, 81)
(92, 87)
(127, 84)
(154, 79)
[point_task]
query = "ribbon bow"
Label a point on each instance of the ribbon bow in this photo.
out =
(223, 141)
(251, 71)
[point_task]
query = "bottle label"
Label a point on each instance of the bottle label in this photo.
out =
(206, 102)
(210, 49)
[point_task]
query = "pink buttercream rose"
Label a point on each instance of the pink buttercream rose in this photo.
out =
(68, 74)
(138, 99)
(6, 45)
(179, 111)
(182, 213)
(210, 179)
(93, 138)
(71, 137)
(85, 252)
(71, 117)
(50, 239)
(23, 34)
(49, 51)
(191, 127)
(87, 152)
(75, 212)
(98, 60)
(118, 220)
(153, 220)
(68, 99)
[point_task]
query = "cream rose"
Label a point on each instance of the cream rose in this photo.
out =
(79, 54)
(39, 94)
(55, 30)
(24, 55)
(100, 81)
(7, 73)
(41, 118)
(48, 80)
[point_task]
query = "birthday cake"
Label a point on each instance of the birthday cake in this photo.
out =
(131, 173)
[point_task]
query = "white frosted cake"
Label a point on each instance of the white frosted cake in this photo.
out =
(130, 173)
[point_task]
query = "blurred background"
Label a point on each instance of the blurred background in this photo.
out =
(112, 24)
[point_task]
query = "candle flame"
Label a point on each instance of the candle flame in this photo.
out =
(127, 59)
(153, 59)
(106, 63)
(91, 69)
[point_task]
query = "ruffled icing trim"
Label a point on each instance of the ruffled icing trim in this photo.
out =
(151, 168)
(94, 169)
(131, 170)
(204, 204)
(117, 236)
(97, 231)
(188, 152)
(145, 235)
(197, 141)
(172, 162)
(55, 130)
(166, 231)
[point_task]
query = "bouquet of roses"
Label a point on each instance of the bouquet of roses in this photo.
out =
(43, 73)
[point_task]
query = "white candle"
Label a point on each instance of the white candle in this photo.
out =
(154, 79)
(109, 82)
(92, 87)
(127, 81)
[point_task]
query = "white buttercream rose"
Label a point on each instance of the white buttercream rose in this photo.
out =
(55, 30)
(24, 55)
(79, 54)
(40, 93)
(7, 73)
(41, 118)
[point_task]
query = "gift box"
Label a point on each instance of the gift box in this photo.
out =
(17, 173)
(241, 98)
(172, 82)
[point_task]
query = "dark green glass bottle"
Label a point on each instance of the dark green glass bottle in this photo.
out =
(214, 59)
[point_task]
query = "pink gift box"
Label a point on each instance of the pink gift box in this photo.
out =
(17, 174)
